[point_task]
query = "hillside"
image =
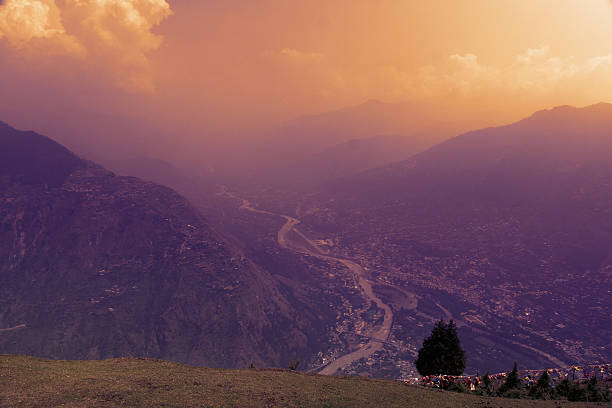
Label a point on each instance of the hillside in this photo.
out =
(93, 265)
(508, 230)
(29, 382)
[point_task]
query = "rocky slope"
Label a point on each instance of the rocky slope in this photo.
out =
(93, 265)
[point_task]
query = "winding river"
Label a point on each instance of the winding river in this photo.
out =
(379, 334)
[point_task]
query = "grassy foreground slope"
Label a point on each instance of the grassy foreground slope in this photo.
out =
(33, 382)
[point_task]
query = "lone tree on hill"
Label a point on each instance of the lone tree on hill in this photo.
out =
(441, 352)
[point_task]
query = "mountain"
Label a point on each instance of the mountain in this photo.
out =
(506, 229)
(311, 150)
(128, 145)
(189, 184)
(317, 132)
(495, 161)
(355, 156)
(94, 265)
(348, 158)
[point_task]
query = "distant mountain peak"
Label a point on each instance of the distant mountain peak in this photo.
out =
(606, 105)
(603, 107)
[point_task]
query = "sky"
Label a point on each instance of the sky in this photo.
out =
(211, 69)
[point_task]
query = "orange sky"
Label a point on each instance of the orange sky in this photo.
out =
(203, 65)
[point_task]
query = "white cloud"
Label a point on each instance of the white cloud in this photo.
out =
(112, 35)
(533, 55)
(23, 20)
(26, 21)
(296, 55)
(534, 73)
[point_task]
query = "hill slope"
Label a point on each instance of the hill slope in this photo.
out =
(93, 265)
(29, 382)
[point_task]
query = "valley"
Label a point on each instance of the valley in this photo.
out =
(305, 204)
(346, 280)
(365, 345)
(378, 335)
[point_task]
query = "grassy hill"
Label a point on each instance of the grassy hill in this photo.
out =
(34, 382)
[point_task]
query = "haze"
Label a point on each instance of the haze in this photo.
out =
(313, 185)
(208, 73)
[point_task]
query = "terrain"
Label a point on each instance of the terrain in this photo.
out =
(378, 325)
(31, 382)
(94, 265)
(507, 230)
(375, 335)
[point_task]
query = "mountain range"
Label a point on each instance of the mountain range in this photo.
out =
(310, 150)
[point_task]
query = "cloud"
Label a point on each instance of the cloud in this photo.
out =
(536, 70)
(21, 21)
(26, 21)
(112, 36)
(533, 55)
(296, 55)
(533, 78)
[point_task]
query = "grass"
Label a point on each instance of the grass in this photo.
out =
(34, 382)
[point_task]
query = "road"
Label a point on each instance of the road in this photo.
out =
(21, 326)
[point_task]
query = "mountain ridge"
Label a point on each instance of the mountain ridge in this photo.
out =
(459, 154)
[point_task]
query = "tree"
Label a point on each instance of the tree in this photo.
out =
(487, 384)
(512, 387)
(542, 389)
(570, 390)
(595, 393)
(441, 352)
